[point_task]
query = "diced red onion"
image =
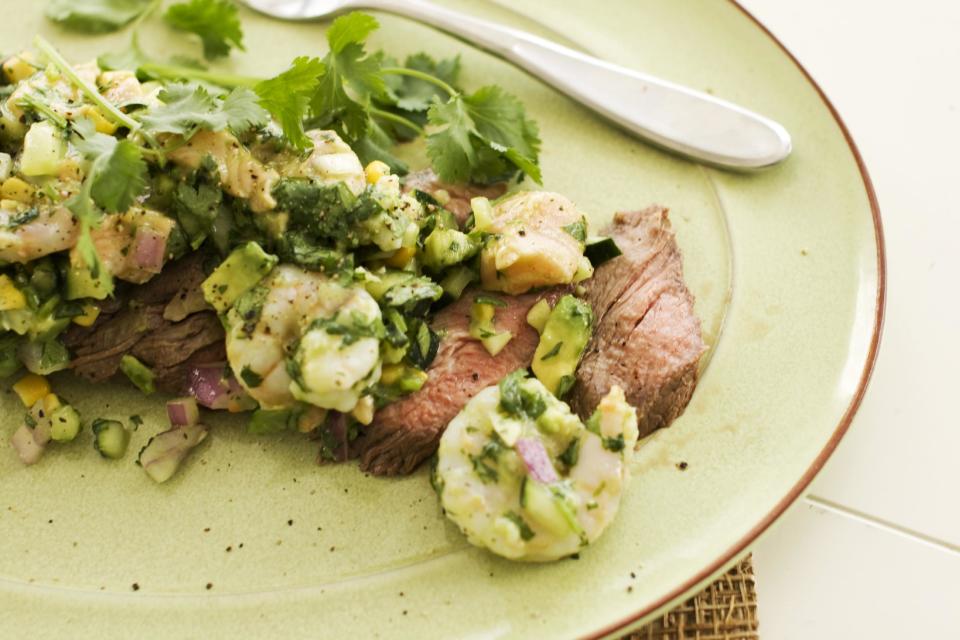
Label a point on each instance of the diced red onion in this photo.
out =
(26, 447)
(536, 459)
(183, 412)
(206, 385)
(214, 391)
(149, 249)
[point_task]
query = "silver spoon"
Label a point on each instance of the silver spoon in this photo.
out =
(688, 122)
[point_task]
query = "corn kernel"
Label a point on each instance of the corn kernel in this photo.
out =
(310, 419)
(90, 314)
(19, 67)
(363, 412)
(50, 403)
(16, 189)
(31, 388)
(401, 257)
(11, 298)
(376, 170)
(99, 120)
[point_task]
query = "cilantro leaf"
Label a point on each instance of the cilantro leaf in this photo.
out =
(130, 58)
(94, 16)
(189, 107)
(414, 94)
(347, 66)
(215, 21)
(452, 149)
(484, 137)
(287, 97)
(118, 173)
(352, 28)
(124, 177)
(375, 145)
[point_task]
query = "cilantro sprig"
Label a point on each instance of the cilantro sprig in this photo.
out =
(215, 21)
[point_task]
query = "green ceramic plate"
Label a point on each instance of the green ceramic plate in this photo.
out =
(253, 539)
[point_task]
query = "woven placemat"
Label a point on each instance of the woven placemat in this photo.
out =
(726, 610)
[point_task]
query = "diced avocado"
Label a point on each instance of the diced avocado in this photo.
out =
(447, 247)
(81, 283)
(110, 439)
(382, 281)
(47, 322)
(548, 508)
(600, 250)
(44, 279)
(482, 326)
(562, 342)
(538, 314)
(456, 280)
(43, 150)
(9, 362)
(43, 358)
(64, 423)
(139, 374)
(241, 271)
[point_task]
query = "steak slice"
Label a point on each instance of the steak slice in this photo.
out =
(647, 338)
(407, 432)
(134, 323)
(460, 194)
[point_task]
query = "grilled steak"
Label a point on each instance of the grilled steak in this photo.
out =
(647, 338)
(460, 194)
(407, 432)
(135, 323)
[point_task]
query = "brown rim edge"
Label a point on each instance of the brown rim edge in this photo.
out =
(795, 492)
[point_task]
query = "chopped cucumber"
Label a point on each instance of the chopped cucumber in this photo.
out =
(446, 247)
(547, 509)
(43, 358)
(64, 423)
(162, 455)
(600, 250)
(456, 280)
(110, 438)
(43, 150)
(139, 374)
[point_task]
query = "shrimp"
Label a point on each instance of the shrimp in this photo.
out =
(538, 241)
(24, 238)
(539, 488)
(241, 175)
(303, 336)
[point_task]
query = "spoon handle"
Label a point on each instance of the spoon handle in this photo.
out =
(688, 122)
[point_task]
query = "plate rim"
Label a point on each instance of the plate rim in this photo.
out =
(741, 546)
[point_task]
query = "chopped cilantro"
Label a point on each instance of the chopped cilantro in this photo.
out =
(250, 377)
(553, 352)
(519, 401)
(578, 230)
(571, 454)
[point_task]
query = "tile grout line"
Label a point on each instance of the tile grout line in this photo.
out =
(879, 523)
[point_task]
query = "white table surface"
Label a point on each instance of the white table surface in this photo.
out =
(873, 551)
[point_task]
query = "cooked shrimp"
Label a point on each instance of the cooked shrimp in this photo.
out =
(535, 488)
(53, 229)
(535, 243)
(304, 336)
(241, 175)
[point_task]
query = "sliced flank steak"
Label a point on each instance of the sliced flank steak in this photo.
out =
(647, 338)
(407, 432)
